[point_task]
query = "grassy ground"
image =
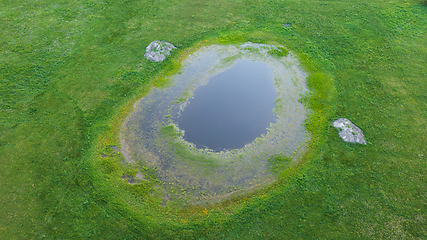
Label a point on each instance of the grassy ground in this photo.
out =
(68, 70)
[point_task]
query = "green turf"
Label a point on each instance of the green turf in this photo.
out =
(70, 70)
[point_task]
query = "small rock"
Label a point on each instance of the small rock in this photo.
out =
(157, 50)
(348, 131)
(287, 25)
(139, 175)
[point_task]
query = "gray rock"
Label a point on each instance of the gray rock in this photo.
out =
(348, 131)
(287, 25)
(157, 50)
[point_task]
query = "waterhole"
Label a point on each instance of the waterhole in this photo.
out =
(232, 109)
(218, 127)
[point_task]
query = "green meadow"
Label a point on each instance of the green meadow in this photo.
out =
(70, 72)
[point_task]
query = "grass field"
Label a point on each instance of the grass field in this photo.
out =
(71, 70)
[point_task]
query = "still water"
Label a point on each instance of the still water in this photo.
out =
(210, 133)
(232, 109)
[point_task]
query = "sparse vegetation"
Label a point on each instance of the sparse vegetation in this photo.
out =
(279, 52)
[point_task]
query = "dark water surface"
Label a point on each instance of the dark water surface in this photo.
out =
(232, 109)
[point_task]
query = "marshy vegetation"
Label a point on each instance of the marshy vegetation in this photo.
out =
(71, 71)
(244, 108)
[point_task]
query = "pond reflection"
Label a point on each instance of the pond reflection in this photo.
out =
(232, 109)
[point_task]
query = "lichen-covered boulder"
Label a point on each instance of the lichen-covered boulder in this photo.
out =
(348, 131)
(157, 50)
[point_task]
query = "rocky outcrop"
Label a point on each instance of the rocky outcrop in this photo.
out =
(157, 50)
(348, 131)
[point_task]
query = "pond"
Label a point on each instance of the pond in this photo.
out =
(212, 132)
(232, 109)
